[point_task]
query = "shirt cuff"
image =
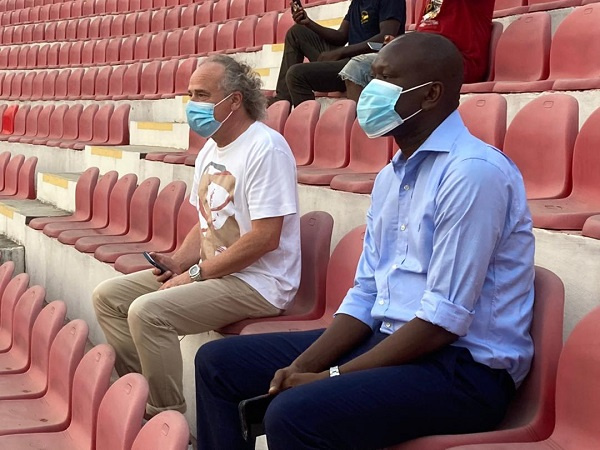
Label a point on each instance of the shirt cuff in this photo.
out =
(443, 313)
(359, 313)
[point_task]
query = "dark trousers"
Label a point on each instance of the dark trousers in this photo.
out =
(297, 81)
(446, 392)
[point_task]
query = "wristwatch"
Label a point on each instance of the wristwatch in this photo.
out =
(195, 273)
(334, 371)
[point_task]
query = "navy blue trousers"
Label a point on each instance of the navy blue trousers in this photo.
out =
(445, 392)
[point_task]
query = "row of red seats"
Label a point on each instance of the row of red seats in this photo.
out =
(504, 8)
(65, 126)
(54, 393)
(116, 220)
(528, 59)
(12, 5)
(17, 177)
(156, 80)
(249, 34)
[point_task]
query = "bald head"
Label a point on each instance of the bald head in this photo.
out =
(424, 57)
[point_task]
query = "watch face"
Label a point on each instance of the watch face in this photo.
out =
(194, 270)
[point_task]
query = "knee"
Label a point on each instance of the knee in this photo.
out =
(143, 313)
(292, 35)
(101, 296)
(296, 74)
(286, 420)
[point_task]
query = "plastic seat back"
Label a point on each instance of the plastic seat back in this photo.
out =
(142, 47)
(27, 87)
(332, 135)
(246, 30)
(53, 52)
(90, 384)
(22, 62)
(204, 13)
(226, 35)
(285, 23)
(121, 412)
(256, 7)
(299, 131)
(65, 355)
(275, 5)
(485, 117)
(540, 141)
(47, 325)
(113, 50)
(94, 30)
(105, 26)
(28, 308)
(119, 126)
(127, 49)
(87, 54)
(116, 81)
(42, 60)
(368, 155)
(12, 121)
(26, 182)
(43, 128)
(149, 82)
(166, 77)
(342, 268)
(576, 44)
(277, 115)
(38, 32)
(189, 41)
(142, 207)
(61, 30)
(16, 86)
(32, 122)
(143, 22)
(100, 51)
(523, 50)
(57, 121)
(208, 37)
(76, 82)
(172, 43)
(187, 218)
(49, 85)
(71, 32)
(120, 203)
(173, 18)
(4, 159)
(164, 216)
(166, 431)
(88, 82)
(220, 11)
(83, 28)
(132, 79)
(586, 160)
(7, 85)
(101, 198)
(32, 57)
(71, 125)
(6, 272)
(157, 23)
(157, 45)
(237, 9)
(129, 26)
(117, 26)
(103, 81)
(61, 88)
(14, 289)
(188, 15)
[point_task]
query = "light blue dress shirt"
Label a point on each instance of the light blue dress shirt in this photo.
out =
(449, 240)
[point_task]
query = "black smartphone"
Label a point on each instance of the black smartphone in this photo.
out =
(375, 46)
(252, 413)
(296, 5)
(152, 261)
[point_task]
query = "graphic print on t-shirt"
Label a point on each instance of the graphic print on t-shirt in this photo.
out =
(432, 10)
(218, 223)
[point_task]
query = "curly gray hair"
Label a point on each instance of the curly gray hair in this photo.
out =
(242, 78)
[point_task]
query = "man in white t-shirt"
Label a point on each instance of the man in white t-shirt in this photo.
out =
(242, 261)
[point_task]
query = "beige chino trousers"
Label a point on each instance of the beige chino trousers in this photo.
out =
(143, 325)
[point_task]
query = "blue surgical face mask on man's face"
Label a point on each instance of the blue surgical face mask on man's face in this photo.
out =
(376, 108)
(201, 117)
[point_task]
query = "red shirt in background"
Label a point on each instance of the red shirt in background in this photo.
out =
(468, 24)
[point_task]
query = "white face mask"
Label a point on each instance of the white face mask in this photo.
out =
(376, 109)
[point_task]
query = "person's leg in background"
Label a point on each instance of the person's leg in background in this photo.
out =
(156, 320)
(357, 74)
(304, 79)
(300, 42)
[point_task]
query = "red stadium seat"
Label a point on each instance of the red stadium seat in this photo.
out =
(570, 213)
(309, 304)
(101, 129)
(33, 382)
(485, 117)
(64, 11)
(111, 6)
(75, 53)
(367, 158)
(299, 131)
(166, 431)
(27, 86)
(142, 47)
(18, 358)
(16, 86)
(22, 62)
(156, 50)
(340, 278)
(94, 30)
(131, 82)
(42, 59)
(49, 86)
(163, 224)
(276, 5)
(54, 124)
(100, 52)
(285, 23)
(4, 57)
(204, 13)
(31, 126)
(103, 82)
(99, 218)
(76, 83)
(32, 57)
(115, 86)
(157, 23)
(540, 141)
(244, 37)
(87, 54)
(7, 85)
(187, 218)
(117, 26)
(14, 120)
(84, 191)
(171, 44)
(71, 125)
(530, 416)
(195, 143)
(71, 32)
(121, 413)
(38, 32)
(256, 7)
(119, 126)
(277, 115)
(332, 137)
(226, 36)
(88, 83)
(173, 18)
(184, 72)
(140, 213)
(208, 37)
(128, 44)
(105, 26)
(188, 15)
(88, 8)
(61, 29)
(113, 50)
(129, 26)
(545, 5)
(63, 54)
(591, 228)
(143, 22)
(26, 182)
(166, 81)
(14, 289)
(266, 31)
(4, 159)
(118, 213)
(220, 11)
(189, 42)
(83, 28)
(61, 88)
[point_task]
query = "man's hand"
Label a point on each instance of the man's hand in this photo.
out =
(388, 38)
(178, 280)
(333, 55)
(292, 376)
(168, 262)
(299, 15)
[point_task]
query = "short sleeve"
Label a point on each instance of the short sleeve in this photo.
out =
(392, 10)
(195, 184)
(271, 187)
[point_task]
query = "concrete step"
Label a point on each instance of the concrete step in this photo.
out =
(164, 134)
(11, 251)
(57, 189)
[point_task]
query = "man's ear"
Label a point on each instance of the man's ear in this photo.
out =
(236, 101)
(433, 96)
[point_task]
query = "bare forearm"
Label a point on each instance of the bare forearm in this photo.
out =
(344, 334)
(189, 252)
(415, 339)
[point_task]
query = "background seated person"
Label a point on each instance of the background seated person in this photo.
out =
(366, 20)
(434, 336)
(242, 260)
(466, 23)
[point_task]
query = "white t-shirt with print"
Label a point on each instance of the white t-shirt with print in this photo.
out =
(252, 178)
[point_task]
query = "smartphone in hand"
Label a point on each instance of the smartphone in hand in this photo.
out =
(155, 263)
(252, 413)
(375, 46)
(296, 5)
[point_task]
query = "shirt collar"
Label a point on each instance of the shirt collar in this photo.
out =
(442, 138)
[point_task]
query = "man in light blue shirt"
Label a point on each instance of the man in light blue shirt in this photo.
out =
(434, 336)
